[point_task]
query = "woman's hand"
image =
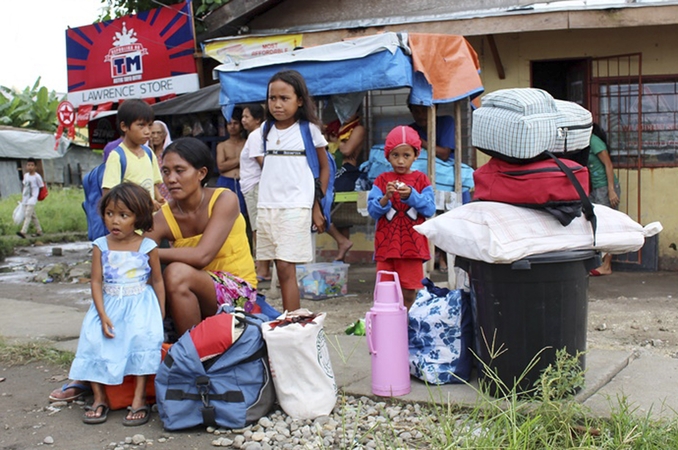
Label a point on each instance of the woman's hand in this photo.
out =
(107, 327)
(318, 218)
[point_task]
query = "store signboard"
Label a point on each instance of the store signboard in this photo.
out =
(146, 55)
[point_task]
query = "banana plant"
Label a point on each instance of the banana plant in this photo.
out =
(34, 107)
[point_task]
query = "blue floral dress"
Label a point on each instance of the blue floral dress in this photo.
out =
(131, 304)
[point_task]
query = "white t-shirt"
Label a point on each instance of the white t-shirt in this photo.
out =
(250, 170)
(286, 179)
(32, 185)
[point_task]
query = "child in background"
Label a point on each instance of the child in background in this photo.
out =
(135, 119)
(288, 200)
(250, 173)
(398, 201)
(122, 332)
(29, 197)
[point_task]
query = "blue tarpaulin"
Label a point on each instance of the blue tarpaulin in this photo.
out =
(359, 65)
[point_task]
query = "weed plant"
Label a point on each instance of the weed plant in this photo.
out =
(61, 217)
(60, 212)
(23, 353)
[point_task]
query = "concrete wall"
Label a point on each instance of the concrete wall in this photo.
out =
(56, 170)
(656, 44)
(10, 183)
(517, 50)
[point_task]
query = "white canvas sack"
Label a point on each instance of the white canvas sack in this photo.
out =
(517, 123)
(501, 233)
(300, 365)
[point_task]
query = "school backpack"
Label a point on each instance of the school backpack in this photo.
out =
(216, 374)
(312, 158)
(92, 185)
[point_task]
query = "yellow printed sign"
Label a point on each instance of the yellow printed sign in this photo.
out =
(233, 50)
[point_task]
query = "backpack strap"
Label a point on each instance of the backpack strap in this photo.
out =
(123, 159)
(311, 153)
(587, 206)
(123, 162)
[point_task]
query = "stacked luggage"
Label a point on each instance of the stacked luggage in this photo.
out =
(539, 148)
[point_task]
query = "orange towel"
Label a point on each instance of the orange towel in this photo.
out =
(448, 62)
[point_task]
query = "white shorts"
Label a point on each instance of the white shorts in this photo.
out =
(284, 234)
(251, 197)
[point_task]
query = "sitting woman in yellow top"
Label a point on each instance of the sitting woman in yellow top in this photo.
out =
(210, 262)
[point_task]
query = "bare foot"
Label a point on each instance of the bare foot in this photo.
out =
(343, 250)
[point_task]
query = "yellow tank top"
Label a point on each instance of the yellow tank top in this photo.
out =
(234, 256)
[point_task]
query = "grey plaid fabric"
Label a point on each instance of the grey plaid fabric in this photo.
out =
(520, 123)
(574, 125)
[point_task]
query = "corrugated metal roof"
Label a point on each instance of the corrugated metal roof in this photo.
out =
(534, 8)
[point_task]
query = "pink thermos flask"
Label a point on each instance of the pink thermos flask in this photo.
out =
(386, 330)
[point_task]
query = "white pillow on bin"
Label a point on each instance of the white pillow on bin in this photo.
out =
(502, 233)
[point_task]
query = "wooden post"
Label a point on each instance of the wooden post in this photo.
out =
(431, 168)
(451, 275)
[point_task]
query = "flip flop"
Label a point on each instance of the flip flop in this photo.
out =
(101, 418)
(594, 273)
(140, 421)
(83, 388)
(262, 279)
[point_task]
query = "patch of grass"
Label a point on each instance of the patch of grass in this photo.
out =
(23, 353)
(60, 212)
(61, 217)
(549, 419)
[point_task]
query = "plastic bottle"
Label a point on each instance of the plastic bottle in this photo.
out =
(386, 331)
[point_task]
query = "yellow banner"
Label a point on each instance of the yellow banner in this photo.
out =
(233, 50)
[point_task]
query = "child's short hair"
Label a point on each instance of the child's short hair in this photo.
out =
(132, 110)
(31, 160)
(402, 135)
(194, 152)
(136, 199)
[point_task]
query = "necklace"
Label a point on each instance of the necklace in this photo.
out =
(277, 134)
(196, 209)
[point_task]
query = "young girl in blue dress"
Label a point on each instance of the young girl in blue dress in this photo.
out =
(122, 332)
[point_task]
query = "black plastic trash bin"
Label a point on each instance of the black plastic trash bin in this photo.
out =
(537, 302)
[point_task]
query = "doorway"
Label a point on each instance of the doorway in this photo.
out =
(564, 79)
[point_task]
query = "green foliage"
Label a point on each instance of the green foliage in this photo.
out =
(551, 418)
(34, 107)
(61, 212)
(61, 216)
(118, 8)
(24, 353)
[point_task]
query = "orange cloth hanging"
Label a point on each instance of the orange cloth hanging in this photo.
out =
(448, 62)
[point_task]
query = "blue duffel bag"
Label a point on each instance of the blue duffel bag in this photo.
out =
(232, 389)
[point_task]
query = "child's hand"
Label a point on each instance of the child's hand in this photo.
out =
(107, 327)
(404, 190)
(318, 218)
(390, 189)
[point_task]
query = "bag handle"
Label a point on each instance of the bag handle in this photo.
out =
(586, 204)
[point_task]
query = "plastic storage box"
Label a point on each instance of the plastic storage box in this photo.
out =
(322, 280)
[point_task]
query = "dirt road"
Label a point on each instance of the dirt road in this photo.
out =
(626, 311)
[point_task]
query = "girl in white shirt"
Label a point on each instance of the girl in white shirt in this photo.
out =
(288, 203)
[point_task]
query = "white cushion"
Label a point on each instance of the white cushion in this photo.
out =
(502, 233)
